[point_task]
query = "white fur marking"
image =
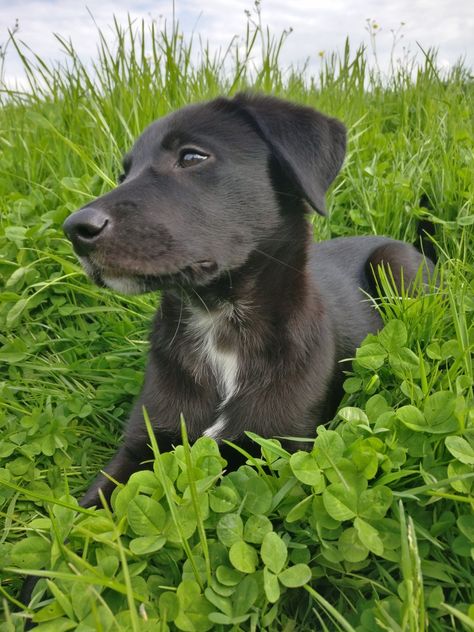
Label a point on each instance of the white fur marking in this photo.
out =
(224, 364)
(124, 285)
(217, 427)
(86, 265)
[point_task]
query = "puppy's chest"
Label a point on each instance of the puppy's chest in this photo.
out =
(216, 350)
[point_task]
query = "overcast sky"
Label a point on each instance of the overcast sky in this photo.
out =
(318, 25)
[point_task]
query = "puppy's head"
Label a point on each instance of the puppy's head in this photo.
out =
(202, 188)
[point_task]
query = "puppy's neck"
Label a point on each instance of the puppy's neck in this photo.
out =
(253, 305)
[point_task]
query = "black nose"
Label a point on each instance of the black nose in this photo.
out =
(84, 228)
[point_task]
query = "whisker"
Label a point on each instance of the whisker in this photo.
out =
(230, 278)
(202, 301)
(283, 263)
(179, 320)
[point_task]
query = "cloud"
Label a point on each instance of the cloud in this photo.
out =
(317, 25)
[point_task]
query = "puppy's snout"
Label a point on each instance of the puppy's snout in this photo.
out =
(85, 227)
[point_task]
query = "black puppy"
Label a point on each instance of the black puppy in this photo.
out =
(254, 318)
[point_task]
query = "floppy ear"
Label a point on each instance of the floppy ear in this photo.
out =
(308, 145)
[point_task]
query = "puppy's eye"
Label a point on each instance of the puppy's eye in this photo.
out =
(190, 157)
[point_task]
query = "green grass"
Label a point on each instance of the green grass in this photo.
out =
(374, 529)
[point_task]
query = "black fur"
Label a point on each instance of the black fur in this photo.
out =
(227, 241)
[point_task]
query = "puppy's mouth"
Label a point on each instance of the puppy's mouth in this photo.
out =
(195, 274)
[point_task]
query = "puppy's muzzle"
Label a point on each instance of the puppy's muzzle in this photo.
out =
(85, 228)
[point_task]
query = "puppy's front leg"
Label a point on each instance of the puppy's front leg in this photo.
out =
(120, 468)
(127, 460)
(168, 392)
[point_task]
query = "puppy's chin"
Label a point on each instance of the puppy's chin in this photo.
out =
(191, 276)
(126, 285)
(119, 283)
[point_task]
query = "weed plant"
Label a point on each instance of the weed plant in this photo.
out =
(373, 529)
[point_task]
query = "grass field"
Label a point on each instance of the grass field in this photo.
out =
(374, 529)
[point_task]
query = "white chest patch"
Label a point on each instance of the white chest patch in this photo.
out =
(223, 364)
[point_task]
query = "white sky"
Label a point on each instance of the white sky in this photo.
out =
(318, 25)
